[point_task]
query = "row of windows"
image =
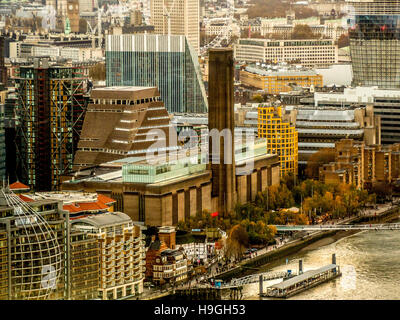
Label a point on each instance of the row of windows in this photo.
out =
(126, 101)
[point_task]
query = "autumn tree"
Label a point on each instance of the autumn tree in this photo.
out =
(237, 242)
(277, 9)
(303, 12)
(290, 217)
(303, 31)
(259, 232)
(267, 8)
(343, 41)
(258, 98)
(276, 197)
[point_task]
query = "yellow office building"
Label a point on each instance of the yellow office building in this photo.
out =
(277, 81)
(281, 137)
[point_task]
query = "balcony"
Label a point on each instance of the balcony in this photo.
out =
(181, 267)
(110, 271)
(168, 274)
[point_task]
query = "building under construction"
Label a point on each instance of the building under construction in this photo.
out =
(50, 109)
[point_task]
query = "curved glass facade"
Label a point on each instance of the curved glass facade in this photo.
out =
(36, 234)
(375, 46)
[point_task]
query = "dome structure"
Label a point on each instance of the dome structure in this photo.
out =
(36, 256)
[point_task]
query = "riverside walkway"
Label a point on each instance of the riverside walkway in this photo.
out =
(325, 227)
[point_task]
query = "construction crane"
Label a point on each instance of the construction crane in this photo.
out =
(225, 31)
(167, 14)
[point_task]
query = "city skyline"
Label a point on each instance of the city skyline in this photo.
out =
(174, 150)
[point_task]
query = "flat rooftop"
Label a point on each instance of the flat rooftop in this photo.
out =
(300, 278)
(105, 219)
(126, 88)
(67, 197)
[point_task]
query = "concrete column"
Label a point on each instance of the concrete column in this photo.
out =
(300, 266)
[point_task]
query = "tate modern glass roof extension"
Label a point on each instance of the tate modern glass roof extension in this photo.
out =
(375, 43)
(164, 61)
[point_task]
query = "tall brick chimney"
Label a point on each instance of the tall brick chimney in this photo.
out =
(221, 116)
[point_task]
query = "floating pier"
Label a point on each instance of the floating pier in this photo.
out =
(303, 281)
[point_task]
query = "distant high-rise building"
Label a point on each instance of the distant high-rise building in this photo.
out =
(177, 17)
(10, 122)
(167, 62)
(136, 18)
(87, 5)
(375, 43)
(50, 110)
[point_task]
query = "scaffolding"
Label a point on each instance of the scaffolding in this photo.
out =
(51, 108)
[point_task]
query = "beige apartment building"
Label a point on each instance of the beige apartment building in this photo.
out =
(177, 17)
(361, 165)
(121, 253)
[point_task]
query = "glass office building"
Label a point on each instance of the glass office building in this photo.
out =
(167, 62)
(375, 43)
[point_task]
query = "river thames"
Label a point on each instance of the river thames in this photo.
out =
(369, 261)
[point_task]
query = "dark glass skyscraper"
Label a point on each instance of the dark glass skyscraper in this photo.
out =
(375, 43)
(166, 62)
